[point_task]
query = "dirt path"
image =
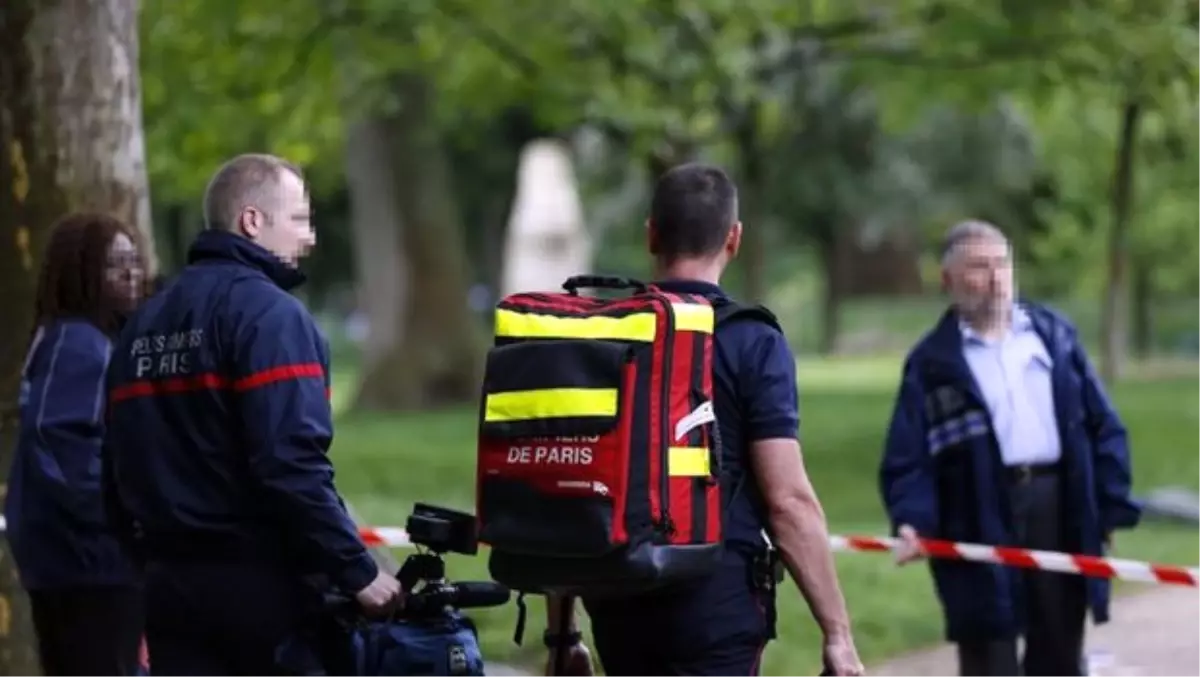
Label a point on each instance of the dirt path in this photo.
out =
(1152, 633)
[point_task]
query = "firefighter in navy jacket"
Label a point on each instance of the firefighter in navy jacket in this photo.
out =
(220, 426)
(719, 624)
(966, 460)
(84, 589)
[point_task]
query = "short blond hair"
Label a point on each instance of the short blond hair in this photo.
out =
(251, 179)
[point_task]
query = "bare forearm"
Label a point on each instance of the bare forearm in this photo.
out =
(555, 607)
(803, 542)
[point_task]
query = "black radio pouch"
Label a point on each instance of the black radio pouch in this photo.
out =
(767, 571)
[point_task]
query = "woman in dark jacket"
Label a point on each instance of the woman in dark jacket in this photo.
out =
(84, 589)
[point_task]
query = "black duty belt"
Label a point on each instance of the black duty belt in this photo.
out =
(1026, 472)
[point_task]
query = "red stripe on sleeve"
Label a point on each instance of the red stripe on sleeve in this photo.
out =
(168, 386)
(171, 386)
(288, 372)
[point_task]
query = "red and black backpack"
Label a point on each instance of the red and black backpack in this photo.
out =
(599, 465)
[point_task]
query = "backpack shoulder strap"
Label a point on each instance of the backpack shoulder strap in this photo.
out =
(727, 310)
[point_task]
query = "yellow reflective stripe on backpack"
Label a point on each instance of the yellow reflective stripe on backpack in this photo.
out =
(636, 327)
(693, 317)
(688, 462)
(525, 405)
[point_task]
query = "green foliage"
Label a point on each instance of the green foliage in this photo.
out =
(221, 77)
(902, 115)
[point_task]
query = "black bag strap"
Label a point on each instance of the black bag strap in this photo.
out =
(727, 310)
(577, 282)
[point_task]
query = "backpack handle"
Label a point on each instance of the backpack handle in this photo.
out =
(577, 282)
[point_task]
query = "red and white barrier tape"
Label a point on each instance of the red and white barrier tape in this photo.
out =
(389, 537)
(1084, 565)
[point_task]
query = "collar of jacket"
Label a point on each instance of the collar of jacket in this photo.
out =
(942, 350)
(219, 244)
(682, 286)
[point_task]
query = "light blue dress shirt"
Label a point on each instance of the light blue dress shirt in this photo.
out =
(1013, 374)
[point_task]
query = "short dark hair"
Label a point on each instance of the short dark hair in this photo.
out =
(72, 281)
(246, 180)
(693, 209)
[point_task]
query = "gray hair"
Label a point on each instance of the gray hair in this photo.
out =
(249, 180)
(964, 231)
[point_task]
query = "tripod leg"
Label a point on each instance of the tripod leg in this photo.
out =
(564, 626)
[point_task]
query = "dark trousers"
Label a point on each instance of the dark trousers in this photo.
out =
(1055, 603)
(206, 618)
(88, 630)
(718, 627)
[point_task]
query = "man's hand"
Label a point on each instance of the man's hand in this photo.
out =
(577, 660)
(910, 549)
(382, 596)
(841, 658)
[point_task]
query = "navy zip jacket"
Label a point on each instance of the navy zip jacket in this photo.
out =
(220, 422)
(56, 521)
(942, 473)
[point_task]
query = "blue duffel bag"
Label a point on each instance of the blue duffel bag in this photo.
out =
(442, 645)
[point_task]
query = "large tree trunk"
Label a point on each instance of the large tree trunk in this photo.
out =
(381, 267)
(437, 360)
(1114, 330)
(85, 55)
(70, 138)
(29, 199)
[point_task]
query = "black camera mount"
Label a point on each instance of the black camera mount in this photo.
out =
(441, 530)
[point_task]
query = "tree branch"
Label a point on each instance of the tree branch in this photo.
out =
(491, 38)
(810, 41)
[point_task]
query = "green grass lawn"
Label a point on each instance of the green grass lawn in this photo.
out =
(384, 464)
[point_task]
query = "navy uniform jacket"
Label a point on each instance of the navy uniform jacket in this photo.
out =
(220, 421)
(56, 523)
(942, 473)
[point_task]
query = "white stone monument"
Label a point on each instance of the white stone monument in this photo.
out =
(547, 239)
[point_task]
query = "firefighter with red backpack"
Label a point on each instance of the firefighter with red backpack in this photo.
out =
(637, 445)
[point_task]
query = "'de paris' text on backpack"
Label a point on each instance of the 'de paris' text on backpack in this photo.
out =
(598, 450)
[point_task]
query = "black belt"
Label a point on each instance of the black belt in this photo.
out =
(1025, 472)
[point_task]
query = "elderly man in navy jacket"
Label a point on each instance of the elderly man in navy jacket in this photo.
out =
(1002, 434)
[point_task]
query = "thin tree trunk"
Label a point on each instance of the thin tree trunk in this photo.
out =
(833, 258)
(1143, 315)
(1114, 328)
(754, 236)
(517, 128)
(177, 236)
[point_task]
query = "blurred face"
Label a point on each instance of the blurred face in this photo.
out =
(979, 277)
(285, 227)
(123, 272)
